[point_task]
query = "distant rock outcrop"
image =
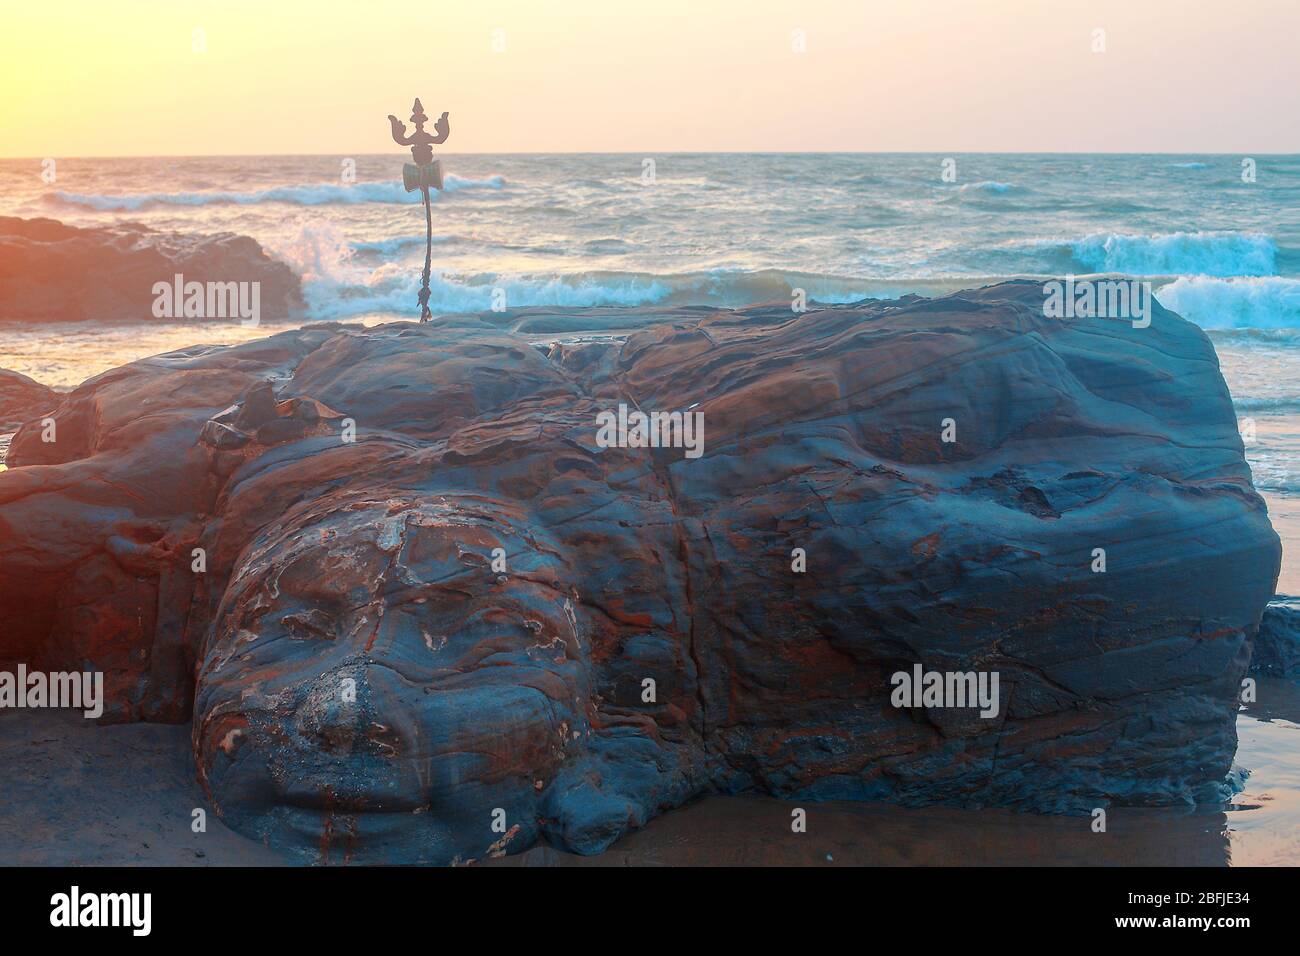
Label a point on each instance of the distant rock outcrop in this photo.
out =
(421, 614)
(22, 399)
(1277, 647)
(51, 272)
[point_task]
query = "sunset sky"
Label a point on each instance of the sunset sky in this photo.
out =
(89, 78)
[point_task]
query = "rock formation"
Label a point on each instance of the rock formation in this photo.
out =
(1277, 646)
(52, 272)
(22, 399)
(436, 619)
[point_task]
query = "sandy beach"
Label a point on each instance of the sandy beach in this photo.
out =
(125, 795)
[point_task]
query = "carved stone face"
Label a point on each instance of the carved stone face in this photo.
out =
(368, 665)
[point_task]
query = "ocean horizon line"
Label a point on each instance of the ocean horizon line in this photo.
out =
(673, 152)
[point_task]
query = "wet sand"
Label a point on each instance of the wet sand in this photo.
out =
(1262, 828)
(75, 793)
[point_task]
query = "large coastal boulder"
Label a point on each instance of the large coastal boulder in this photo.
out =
(424, 612)
(50, 271)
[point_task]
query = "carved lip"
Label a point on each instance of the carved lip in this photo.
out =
(318, 793)
(354, 803)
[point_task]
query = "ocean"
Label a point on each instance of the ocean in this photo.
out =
(727, 230)
(731, 229)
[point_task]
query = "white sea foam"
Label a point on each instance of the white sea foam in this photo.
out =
(989, 186)
(1179, 253)
(315, 194)
(342, 278)
(398, 244)
(337, 285)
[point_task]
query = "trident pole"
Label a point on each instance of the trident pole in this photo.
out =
(428, 256)
(424, 174)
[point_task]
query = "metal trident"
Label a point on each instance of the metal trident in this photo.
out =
(424, 174)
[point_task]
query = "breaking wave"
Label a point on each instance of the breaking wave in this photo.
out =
(1179, 253)
(316, 194)
(339, 282)
(342, 278)
(989, 186)
(1271, 302)
(386, 247)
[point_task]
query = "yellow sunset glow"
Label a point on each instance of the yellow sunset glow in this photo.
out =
(148, 77)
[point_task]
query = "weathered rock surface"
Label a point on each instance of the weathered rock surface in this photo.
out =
(335, 567)
(52, 272)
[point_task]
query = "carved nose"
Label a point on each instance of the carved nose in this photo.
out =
(351, 712)
(365, 709)
(332, 721)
